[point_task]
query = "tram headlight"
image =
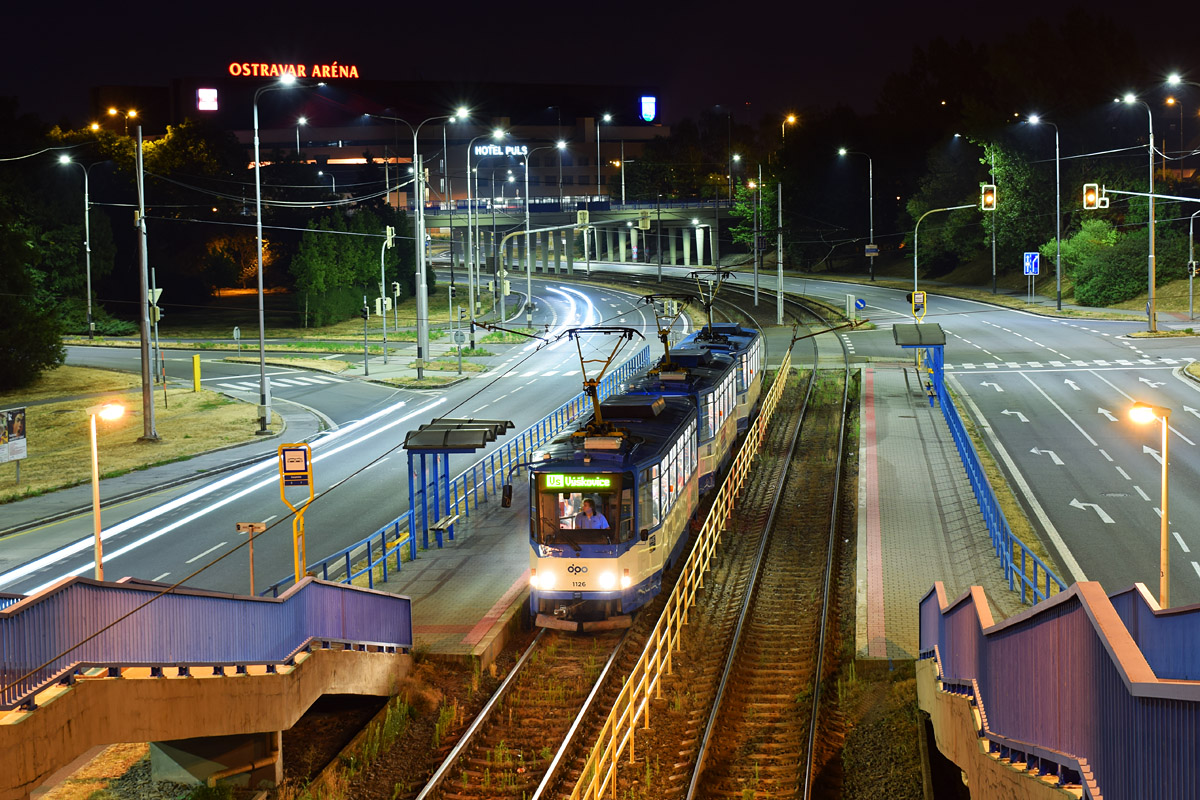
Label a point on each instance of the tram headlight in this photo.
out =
(626, 581)
(546, 581)
(607, 580)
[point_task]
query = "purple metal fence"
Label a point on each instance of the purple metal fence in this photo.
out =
(1067, 677)
(45, 638)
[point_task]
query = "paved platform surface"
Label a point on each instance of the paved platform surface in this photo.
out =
(918, 521)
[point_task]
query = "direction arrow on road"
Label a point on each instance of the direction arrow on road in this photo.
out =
(997, 386)
(1072, 384)
(1105, 518)
(1106, 413)
(1157, 455)
(1058, 462)
(1191, 411)
(1150, 383)
(1018, 414)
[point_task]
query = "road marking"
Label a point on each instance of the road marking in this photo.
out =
(1179, 539)
(1196, 567)
(481, 408)
(1106, 413)
(165, 574)
(1157, 456)
(1069, 382)
(1020, 417)
(268, 519)
(995, 386)
(1124, 474)
(1060, 409)
(1104, 453)
(1144, 496)
(1150, 383)
(548, 374)
(1105, 518)
(206, 552)
(1054, 459)
(232, 386)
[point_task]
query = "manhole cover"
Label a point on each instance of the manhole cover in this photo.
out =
(1116, 494)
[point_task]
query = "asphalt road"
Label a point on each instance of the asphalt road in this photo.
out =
(360, 468)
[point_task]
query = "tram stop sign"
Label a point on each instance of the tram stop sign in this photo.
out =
(460, 337)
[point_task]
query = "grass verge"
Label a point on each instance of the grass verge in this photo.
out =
(59, 441)
(451, 365)
(428, 382)
(316, 365)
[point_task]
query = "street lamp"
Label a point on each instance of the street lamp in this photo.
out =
(560, 145)
(1143, 413)
(1191, 259)
(1034, 119)
(734, 158)
(332, 179)
(605, 118)
(871, 199)
(790, 119)
(917, 229)
(286, 81)
(299, 122)
(1130, 99)
(87, 239)
(112, 112)
(107, 412)
(1171, 101)
(419, 227)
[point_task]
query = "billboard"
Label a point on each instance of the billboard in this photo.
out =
(12, 435)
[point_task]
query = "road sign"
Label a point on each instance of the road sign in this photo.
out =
(872, 250)
(1032, 263)
(237, 333)
(460, 338)
(153, 295)
(860, 304)
(294, 469)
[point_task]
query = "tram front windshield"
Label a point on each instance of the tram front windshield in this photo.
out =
(577, 509)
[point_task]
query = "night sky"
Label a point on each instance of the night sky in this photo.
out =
(761, 58)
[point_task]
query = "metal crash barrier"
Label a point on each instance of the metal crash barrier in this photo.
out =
(633, 703)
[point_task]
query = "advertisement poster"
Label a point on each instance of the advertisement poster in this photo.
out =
(12, 435)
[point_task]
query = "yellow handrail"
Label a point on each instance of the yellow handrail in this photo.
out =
(618, 732)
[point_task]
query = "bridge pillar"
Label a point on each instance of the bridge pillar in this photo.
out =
(546, 238)
(687, 247)
(670, 232)
(522, 255)
(569, 246)
(608, 237)
(508, 264)
(633, 244)
(246, 760)
(621, 248)
(699, 246)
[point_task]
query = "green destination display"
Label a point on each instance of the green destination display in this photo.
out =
(577, 482)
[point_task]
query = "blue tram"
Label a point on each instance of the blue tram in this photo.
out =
(745, 345)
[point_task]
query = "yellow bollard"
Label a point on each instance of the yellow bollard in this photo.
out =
(195, 373)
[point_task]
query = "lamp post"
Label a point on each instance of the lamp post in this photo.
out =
(734, 158)
(1034, 119)
(917, 229)
(1143, 413)
(299, 122)
(658, 233)
(870, 202)
(87, 239)
(332, 178)
(107, 412)
(472, 265)
(419, 229)
(286, 81)
(1191, 259)
(790, 119)
(1130, 99)
(560, 145)
(112, 112)
(606, 118)
(1171, 101)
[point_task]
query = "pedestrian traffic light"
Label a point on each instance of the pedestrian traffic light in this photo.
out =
(507, 287)
(1091, 196)
(987, 197)
(366, 312)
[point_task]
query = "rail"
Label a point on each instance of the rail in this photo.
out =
(82, 624)
(633, 703)
(383, 551)
(1017, 560)
(1080, 680)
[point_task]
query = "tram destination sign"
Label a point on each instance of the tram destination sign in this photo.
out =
(577, 482)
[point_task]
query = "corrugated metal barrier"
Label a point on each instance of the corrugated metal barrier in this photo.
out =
(81, 624)
(1080, 683)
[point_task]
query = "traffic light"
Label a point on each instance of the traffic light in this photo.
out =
(581, 217)
(155, 314)
(453, 290)
(366, 312)
(1091, 196)
(987, 197)
(395, 288)
(644, 220)
(1191, 269)
(389, 237)
(507, 287)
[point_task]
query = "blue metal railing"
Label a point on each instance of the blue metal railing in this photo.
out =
(382, 552)
(1076, 681)
(55, 635)
(1017, 560)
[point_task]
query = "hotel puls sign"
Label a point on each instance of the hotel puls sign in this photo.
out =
(250, 69)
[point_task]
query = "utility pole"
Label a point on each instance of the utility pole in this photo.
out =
(149, 433)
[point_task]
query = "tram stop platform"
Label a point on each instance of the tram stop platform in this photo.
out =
(918, 522)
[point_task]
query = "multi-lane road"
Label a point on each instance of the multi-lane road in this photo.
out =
(1052, 396)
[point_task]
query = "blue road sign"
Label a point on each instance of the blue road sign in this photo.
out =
(860, 304)
(1032, 263)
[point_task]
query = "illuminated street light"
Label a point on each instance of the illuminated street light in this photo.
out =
(1143, 414)
(1131, 99)
(107, 412)
(605, 118)
(560, 145)
(299, 122)
(790, 119)
(332, 178)
(473, 259)
(87, 239)
(1035, 119)
(112, 112)
(871, 199)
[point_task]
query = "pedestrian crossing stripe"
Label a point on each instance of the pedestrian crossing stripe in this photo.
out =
(1061, 365)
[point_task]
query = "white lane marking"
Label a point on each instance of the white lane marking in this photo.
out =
(285, 382)
(268, 519)
(548, 374)
(1060, 409)
(1196, 567)
(165, 574)
(1072, 566)
(206, 552)
(1124, 474)
(1143, 495)
(1104, 453)
(481, 408)
(1179, 539)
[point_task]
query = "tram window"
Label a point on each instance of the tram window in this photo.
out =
(648, 498)
(562, 518)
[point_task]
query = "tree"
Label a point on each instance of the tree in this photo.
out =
(745, 201)
(29, 327)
